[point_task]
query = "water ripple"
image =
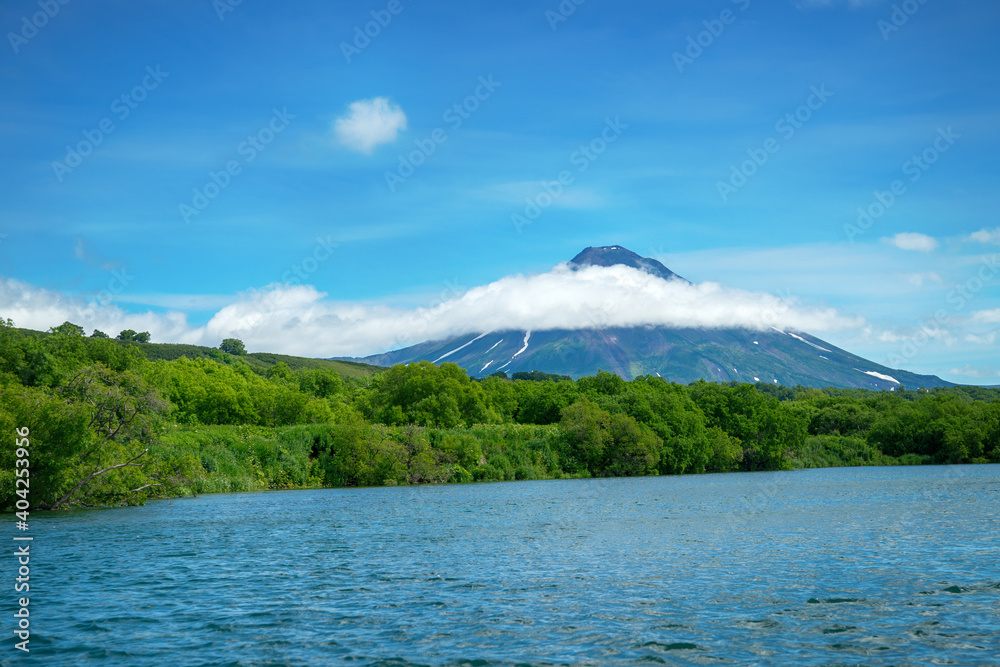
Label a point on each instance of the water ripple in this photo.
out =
(824, 567)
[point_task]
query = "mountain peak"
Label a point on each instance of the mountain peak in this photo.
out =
(611, 255)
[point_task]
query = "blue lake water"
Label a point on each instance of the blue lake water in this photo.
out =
(872, 566)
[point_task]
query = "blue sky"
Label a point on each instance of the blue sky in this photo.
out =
(734, 140)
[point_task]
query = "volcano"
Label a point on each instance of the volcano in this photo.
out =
(678, 354)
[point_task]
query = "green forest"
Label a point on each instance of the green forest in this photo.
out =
(120, 420)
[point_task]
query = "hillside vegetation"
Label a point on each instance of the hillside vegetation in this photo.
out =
(119, 421)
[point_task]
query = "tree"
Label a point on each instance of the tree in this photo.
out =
(543, 402)
(427, 395)
(765, 428)
(68, 329)
(233, 346)
(585, 427)
(667, 408)
(89, 440)
(99, 334)
(122, 409)
(609, 445)
(634, 449)
(130, 335)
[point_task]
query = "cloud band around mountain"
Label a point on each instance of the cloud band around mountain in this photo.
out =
(301, 320)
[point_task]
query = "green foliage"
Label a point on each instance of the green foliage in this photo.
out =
(766, 429)
(427, 395)
(948, 428)
(99, 334)
(118, 421)
(233, 346)
(89, 438)
(208, 392)
(536, 376)
(841, 416)
(692, 444)
(128, 335)
(544, 402)
(242, 458)
(825, 451)
(501, 397)
(68, 329)
(609, 445)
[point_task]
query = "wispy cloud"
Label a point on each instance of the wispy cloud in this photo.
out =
(986, 236)
(84, 251)
(987, 316)
(572, 197)
(913, 241)
(369, 123)
(987, 339)
(979, 372)
(920, 279)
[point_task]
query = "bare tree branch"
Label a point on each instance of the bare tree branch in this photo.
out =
(145, 486)
(130, 462)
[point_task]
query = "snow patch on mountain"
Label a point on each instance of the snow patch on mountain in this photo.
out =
(818, 347)
(448, 354)
(527, 335)
(880, 376)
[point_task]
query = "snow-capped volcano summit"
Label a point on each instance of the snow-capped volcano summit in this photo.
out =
(676, 352)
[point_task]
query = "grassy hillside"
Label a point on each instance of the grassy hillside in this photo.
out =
(261, 360)
(257, 360)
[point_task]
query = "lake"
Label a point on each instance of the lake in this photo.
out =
(873, 566)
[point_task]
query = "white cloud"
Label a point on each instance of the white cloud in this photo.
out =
(920, 279)
(300, 320)
(930, 332)
(369, 123)
(987, 339)
(975, 372)
(33, 307)
(913, 241)
(987, 316)
(986, 236)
